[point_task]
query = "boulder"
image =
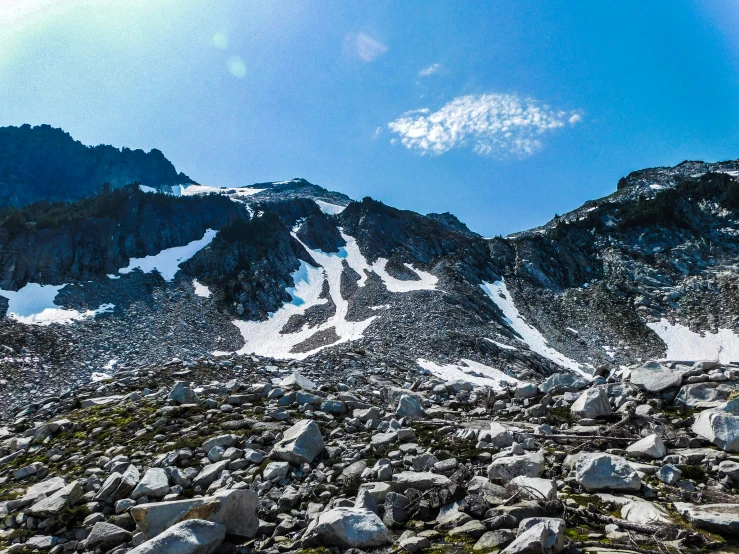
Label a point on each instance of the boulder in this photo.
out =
(540, 489)
(349, 528)
(527, 465)
(66, 497)
(187, 537)
(545, 536)
(703, 395)
(300, 444)
(182, 394)
(495, 540)
(109, 486)
(655, 377)
(235, 509)
(209, 474)
(129, 479)
(562, 382)
(721, 428)
(500, 437)
(603, 472)
(718, 518)
(154, 484)
(420, 480)
(410, 406)
(591, 404)
(106, 536)
(224, 441)
(297, 380)
(639, 511)
(650, 447)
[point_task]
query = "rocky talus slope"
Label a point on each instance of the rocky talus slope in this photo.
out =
(281, 457)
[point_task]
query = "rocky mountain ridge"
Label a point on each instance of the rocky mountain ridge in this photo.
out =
(276, 367)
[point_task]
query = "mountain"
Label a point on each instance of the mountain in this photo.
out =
(45, 163)
(269, 352)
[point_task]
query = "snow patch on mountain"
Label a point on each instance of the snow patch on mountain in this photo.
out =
(200, 289)
(684, 344)
(168, 261)
(498, 293)
(426, 281)
(34, 305)
(469, 370)
(328, 208)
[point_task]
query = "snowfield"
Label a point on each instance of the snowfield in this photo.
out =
(200, 289)
(34, 305)
(684, 344)
(498, 293)
(266, 338)
(168, 261)
(328, 208)
(469, 370)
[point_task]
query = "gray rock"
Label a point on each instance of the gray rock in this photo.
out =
(639, 511)
(721, 428)
(300, 444)
(540, 489)
(224, 441)
(365, 501)
(591, 404)
(349, 528)
(336, 407)
(669, 474)
(562, 382)
(718, 518)
(729, 468)
(67, 496)
(525, 390)
(187, 537)
(154, 484)
(650, 447)
(410, 406)
(655, 377)
(495, 539)
(527, 465)
(546, 536)
(234, 508)
(209, 474)
(420, 480)
(106, 536)
(129, 479)
(275, 470)
(297, 380)
(500, 437)
(182, 394)
(109, 486)
(703, 395)
(602, 472)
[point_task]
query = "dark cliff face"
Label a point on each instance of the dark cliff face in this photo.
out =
(44, 163)
(111, 229)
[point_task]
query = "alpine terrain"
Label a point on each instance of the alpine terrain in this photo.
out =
(277, 367)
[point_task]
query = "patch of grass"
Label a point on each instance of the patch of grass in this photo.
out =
(694, 473)
(70, 517)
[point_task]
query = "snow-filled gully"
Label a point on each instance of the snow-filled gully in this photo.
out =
(265, 337)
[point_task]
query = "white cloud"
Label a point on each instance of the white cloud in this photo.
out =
(433, 69)
(498, 125)
(364, 47)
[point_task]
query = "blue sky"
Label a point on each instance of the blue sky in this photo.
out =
(503, 113)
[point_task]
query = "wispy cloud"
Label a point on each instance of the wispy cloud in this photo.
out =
(433, 69)
(365, 47)
(499, 125)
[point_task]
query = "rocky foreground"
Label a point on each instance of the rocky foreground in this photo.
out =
(253, 456)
